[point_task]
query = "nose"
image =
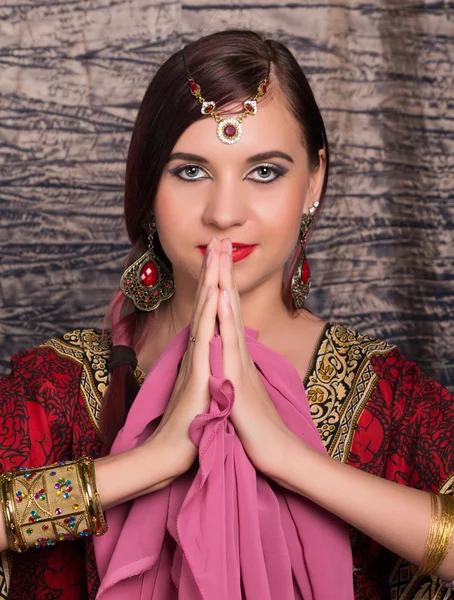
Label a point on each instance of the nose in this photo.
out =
(226, 207)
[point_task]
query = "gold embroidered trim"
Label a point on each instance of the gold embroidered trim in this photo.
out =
(5, 574)
(90, 349)
(339, 384)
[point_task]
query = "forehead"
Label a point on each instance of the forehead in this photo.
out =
(273, 128)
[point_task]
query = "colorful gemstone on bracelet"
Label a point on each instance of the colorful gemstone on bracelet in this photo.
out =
(68, 482)
(76, 506)
(58, 511)
(70, 469)
(29, 531)
(19, 493)
(42, 497)
(57, 486)
(52, 473)
(45, 527)
(36, 496)
(33, 513)
(60, 492)
(19, 499)
(66, 495)
(69, 489)
(31, 520)
(61, 480)
(61, 463)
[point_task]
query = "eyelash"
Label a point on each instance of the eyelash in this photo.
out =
(278, 172)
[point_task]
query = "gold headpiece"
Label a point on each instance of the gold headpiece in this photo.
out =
(229, 130)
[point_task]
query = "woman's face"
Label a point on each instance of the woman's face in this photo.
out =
(252, 192)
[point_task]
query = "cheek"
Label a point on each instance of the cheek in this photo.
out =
(284, 217)
(176, 224)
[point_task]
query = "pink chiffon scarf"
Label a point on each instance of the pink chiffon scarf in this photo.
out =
(222, 531)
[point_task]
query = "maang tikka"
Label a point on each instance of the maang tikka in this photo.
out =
(301, 279)
(148, 282)
(229, 130)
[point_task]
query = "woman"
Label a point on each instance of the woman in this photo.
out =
(218, 214)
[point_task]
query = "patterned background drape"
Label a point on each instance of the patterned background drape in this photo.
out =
(71, 77)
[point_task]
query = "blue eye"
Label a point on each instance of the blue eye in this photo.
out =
(189, 173)
(267, 173)
(263, 173)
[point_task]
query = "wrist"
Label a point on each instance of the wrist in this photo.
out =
(178, 453)
(290, 456)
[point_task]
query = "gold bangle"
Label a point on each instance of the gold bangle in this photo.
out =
(14, 538)
(50, 504)
(96, 521)
(439, 539)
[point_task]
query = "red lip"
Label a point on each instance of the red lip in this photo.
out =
(240, 251)
(234, 245)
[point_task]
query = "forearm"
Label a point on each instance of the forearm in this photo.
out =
(134, 473)
(394, 515)
(124, 477)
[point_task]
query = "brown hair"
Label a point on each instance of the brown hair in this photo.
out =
(228, 66)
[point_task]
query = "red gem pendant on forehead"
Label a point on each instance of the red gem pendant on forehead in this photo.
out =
(230, 130)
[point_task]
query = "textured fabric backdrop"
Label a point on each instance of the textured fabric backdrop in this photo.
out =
(71, 77)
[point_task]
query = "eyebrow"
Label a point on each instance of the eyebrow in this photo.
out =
(252, 159)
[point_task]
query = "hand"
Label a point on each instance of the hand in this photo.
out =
(264, 435)
(191, 393)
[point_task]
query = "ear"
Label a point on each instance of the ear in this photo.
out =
(316, 180)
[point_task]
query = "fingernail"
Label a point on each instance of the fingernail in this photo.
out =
(209, 256)
(211, 244)
(226, 296)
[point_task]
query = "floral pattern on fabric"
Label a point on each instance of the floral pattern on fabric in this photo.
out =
(43, 418)
(405, 434)
(374, 410)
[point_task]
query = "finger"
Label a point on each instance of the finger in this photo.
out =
(200, 348)
(231, 352)
(210, 278)
(202, 272)
(227, 282)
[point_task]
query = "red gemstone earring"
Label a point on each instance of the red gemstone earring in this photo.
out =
(148, 282)
(301, 279)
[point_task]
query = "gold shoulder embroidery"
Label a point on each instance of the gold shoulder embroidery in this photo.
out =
(89, 348)
(339, 384)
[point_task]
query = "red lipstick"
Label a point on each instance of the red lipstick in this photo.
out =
(239, 251)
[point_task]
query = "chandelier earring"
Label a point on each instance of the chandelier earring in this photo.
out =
(148, 281)
(301, 278)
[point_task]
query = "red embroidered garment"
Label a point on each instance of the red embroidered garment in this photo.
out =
(373, 409)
